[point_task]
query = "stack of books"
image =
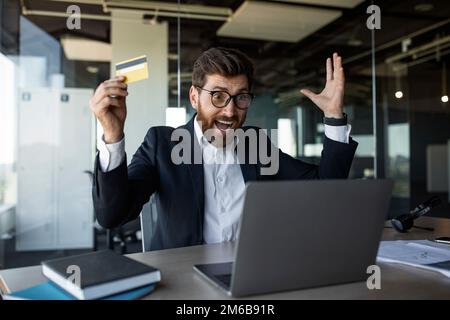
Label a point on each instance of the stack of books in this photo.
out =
(96, 275)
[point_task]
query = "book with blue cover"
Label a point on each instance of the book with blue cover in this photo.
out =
(49, 291)
(102, 273)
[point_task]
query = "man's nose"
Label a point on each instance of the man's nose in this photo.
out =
(230, 109)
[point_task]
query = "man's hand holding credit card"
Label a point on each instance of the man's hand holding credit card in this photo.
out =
(109, 100)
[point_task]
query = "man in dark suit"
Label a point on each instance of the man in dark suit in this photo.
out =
(201, 201)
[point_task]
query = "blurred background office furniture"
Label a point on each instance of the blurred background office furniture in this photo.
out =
(127, 237)
(123, 235)
(7, 227)
(7, 220)
(148, 221)
(437, 168)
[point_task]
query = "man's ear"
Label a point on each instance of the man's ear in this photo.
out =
(193, 97)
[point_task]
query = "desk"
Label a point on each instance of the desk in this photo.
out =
(180, 281)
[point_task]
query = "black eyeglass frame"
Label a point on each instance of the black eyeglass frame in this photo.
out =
(230, 97)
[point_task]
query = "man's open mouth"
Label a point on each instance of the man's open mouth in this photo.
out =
(223, 125)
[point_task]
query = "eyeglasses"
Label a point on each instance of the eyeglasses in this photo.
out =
(221, 99)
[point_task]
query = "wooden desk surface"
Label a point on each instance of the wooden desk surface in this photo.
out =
(180, 281)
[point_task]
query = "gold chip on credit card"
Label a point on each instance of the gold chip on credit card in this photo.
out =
(133, 69)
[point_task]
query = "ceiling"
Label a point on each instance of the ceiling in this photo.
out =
(276, 22)
(286, 57)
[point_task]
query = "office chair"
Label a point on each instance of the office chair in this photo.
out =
(122, 235)
(127, 234)
(97, 229)
(148, 221)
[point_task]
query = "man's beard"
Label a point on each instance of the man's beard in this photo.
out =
(212, 129)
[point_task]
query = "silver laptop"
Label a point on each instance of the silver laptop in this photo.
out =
(301, 234)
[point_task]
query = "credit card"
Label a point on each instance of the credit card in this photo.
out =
(135, 69)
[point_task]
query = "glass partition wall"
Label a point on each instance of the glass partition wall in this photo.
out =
(412, 102)
(289, 44)
(50, 68)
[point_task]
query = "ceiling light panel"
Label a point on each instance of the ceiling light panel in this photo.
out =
(86, 49)
(276, 22)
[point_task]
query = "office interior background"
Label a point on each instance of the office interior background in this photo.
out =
(396, 98)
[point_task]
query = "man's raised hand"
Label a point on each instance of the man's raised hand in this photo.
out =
(331, 99)
(109, 107)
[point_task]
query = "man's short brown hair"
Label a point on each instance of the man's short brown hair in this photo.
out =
(223, 61)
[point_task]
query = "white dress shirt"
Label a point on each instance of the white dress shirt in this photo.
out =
(224, 190)
(224, 184)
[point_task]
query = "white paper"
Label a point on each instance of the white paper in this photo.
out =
(420, 253)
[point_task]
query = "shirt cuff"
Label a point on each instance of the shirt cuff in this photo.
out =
(338, 133)
(110, 155)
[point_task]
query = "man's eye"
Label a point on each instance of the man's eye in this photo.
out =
(244, 97)
(220, 96)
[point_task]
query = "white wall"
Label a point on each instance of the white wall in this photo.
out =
(7, 108)
(8, 112)
(148, 99)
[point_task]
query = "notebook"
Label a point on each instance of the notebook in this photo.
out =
(49, 291)
(101, 274)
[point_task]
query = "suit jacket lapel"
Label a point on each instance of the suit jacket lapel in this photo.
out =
(249, 171)
(196, 172)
